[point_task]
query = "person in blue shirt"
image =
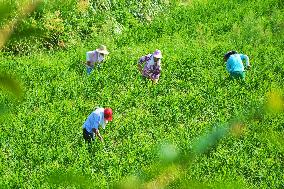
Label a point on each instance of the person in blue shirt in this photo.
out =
(97, 119)
(234, 64)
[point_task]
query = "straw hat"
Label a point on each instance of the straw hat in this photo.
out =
(102, 49)
(157, 54)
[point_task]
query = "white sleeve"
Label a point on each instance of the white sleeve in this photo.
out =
(89, 55)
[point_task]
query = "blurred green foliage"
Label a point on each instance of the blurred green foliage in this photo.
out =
(6, 9)
(10, 84)
(62, 178)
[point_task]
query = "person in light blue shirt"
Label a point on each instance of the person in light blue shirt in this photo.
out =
(235, 66)
(98, 118)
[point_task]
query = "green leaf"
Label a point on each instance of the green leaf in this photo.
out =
(10, 84)
(6, 9)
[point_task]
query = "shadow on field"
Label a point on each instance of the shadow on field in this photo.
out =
(59, 178)
(78, 66)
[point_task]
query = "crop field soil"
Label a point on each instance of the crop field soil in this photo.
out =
(194, 129)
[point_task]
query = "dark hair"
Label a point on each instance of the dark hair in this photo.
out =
(229, 53)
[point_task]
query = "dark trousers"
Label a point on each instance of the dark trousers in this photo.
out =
(89, 137)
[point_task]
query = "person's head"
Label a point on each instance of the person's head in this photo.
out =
(102, 51)
(107, 114)
(157, 55)
(228, 54)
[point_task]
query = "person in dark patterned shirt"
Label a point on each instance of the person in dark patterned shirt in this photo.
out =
(152, 66)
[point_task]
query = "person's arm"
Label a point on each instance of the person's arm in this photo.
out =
(88, 63)
(157, 69)
(97, 133)
(99, 58)
(95, 127)
(246, 58)
(228, 66)
(140, 62)
(88, 58)
(139, 66)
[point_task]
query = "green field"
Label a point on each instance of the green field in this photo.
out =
(194, 129)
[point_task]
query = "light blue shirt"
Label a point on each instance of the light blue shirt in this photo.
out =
(94, 120)
(235, 62)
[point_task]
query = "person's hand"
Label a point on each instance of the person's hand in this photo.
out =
(101, 139)
(139, 67)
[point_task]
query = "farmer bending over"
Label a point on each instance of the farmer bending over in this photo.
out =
(95, 57)
(152, 66)
(234, 64)
(98, 118)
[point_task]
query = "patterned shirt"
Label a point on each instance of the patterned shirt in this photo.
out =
(151, 69)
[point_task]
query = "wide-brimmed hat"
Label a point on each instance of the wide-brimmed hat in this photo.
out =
(108, 114)
(157, 54)
(102, 49)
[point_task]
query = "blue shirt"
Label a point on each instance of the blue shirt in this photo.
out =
(94, 120)
(235, 62)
